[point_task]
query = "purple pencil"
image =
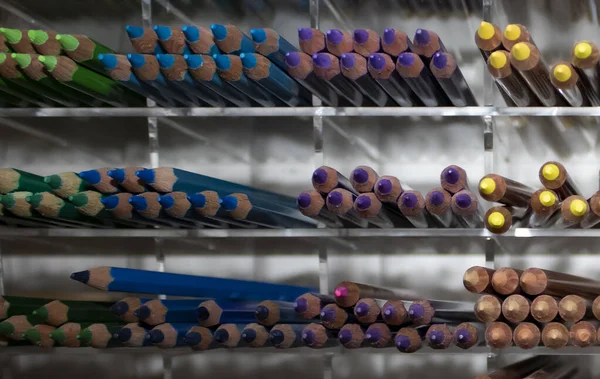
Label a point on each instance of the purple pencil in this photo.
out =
(354, 68)
(466, 206)
(445, 70)
(311, 40)
(426, 43)
(418, 77)
(439, 204)
(382, 69)
(338, 42)
(395, 42)
(454, 179)
(366, 42)
(327, 67)
(412, 206)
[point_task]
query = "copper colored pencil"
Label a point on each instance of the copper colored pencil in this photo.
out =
(348, 293)
(583, 334)
(418, 77)
(596, 307)
(527, 335)
(382, 69)
(555, 335)
(511, 84)
(366, 42)
(439, 336)
(395, 42)
(498, 220)
(516, 308)
(394, 312)
(573, 308)
(488, 38)
(351, 336)
(467, 335)
(444, 68)
(338, 42)
(535, 281)
(327, 67)
(515, 33)
(311, 41)
(478, 279)
(498, 335)
(544, 308)
(488, 308)
(496, 188)
(316, 336)
(505, 281)
(379, 335)
(409, 340)
(553, 175)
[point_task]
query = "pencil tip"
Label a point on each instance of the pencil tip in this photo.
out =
(119, 308)
(191, 33)
(91, 176)
(146, 175)
(193, 338)
(110, 202)
(165, 60)
(117, 174)
(167, 201)
(163, 32)
(229, 203)
(198, 200)
(81, 276)
(219, 31)
(248, 60)
(136, 60)
(142, 313)
(108, 60)
(258, 35)
(422, 37)
(134, 31)
(276, 337)
(138, 202)
(334, 36)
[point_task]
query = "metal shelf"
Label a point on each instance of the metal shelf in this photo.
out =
(301, 112)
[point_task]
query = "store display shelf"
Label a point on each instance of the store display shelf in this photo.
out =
(301, 112)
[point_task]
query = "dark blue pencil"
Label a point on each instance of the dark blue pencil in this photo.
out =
(286, 336)
(382, 69)
(229, 335)
(204, 70)
(207, 205)
(172, 40)
(413, 70)
(273, 46)
(118, 205)
(125, 307)
(316, 336)
(445, 70)
(231, 70)
(156, 312)
(166, 336)
(143, 40)
(177, 205)
(127, 179)
(133, 335)
(210, 313)
(175, 70)
(354, 67)
(231, 40)
(255, 335)
(200, 338)
(116, 279)
(274, 80)
(200, 40)
(146, 205)
(270, 312)
(100, 180)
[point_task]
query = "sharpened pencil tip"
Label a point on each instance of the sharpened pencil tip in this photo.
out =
(409, 200)
(276, 337)
(164, 33)
(193, 338)
(91, 176)
(156, 336)
(249, 335)
(146, 175)
(219, 31)
(191, 33)
(143, 313)
(134, 31)
(119, 308)
(229, 203)
(258, 35)
(117, 174)
(463, 200)
(108, 60)
(334, 36)
(138, 202)
(422, 37)
(110, 202)
(345, 336)
(363, 203)
(305, 34)
(81, 276)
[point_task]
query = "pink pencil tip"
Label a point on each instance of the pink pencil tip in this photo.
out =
(341, 292)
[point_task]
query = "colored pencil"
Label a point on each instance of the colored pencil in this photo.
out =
(4, 44)
(498, 335)
(370, 208)
(516, 308)
(418, 77)
(120, 207)
(146, 204)
(341, 203)
(423, 312)
(231, 70)
(130, 280)
(143, 40)
(83, 50)
(366, 42)
(309, 305)
(39, 335)
(409, 340)
(348, 293)
(89, 82)
(338, 42)
(89, 203)
(327, 67)
(593, 216)
(382, 68)
(505, 281)
(204, 70)
(66, 334)
(172, 40)
(59, 312)
(229, 335)
(169, 335)
(498, 220)
(488, 39)
(199, 338)
(175, 70)
(11, 97)
(488, 308)
(553, 175)
(478, 279)
(211, 313)
(311, 40)
(230, 40)
(14, 305)
(544, 308)
(269, 313)
(426, 43)
(100, 336)
(119, 69)
(67, 184)
(527, 335)
(334, 317)
(255, 335)
(379, 335)
(177, 205)
(312, 204)
(316, 336)
(585, 59)
(513, 87)
(515, 33)
(52, 206)
(368, 310)
(200, 40)
(535, 281)
(147, 69)
(412, 206)
(354, 67)
(466, 205)
(466, 335)
(269, 43)
(454, 179)
(18, 40)
(444, 68)
(496, 188)
(572, 211)
(566, 81)
(583, 334)
(555, 335)
(133, 335)
(352, 336)
(438, 203)
(127, 179)
(14, 326)
(388, 189)
(16, 203)
(207, 204)
(44, 42)
(394, 312)
(439, 336)
(573, 308)
(125, 307)
(155, 312)
(100, 180)
(326, 179)
(395, 42)
(285, 336)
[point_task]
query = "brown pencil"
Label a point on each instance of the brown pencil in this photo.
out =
(498, 189)
(583, 334)
(505, 281)
(439, 336)
(515, 33)
(544, 308)
(526, 335)
(553, 175)
(478, 279)
(351, 336)
(488, 38)
(363, 179)
(573, 308)
(585, 59)
(544, 204)
(488, 308)
(338, 42)
(555, 335)
(512, 85)
(572, 211)
(348, 293)
(566, 81)
(311, 40)
(498, 220)
(498, 335)
(515, 308)
(395, 42)
(388, 189)
(535, 281)
(394, 312)
(592, 218)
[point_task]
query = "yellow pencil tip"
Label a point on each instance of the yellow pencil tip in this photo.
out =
(512, 32)
(562, 72)
(550, 171)
(582, 50)
(547, 198)
(521, 51)
(578, 207)
(498, 59)
(486, 30)
(487, 186)
(496, 220)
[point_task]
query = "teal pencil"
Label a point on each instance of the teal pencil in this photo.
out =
(269, 43)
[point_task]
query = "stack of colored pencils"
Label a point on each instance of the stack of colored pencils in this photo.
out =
(558, 204)
(535, 307)
(369, 200)
(139, 198)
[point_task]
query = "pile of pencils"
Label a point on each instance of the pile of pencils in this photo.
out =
(538, 367)
(559, 204)
(369, 200)
(134, 197)
(535, 307)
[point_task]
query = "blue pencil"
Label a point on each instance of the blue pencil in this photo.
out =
(204, 69)
(286, 336)
(231, 40)
(118, 204)
(230, 69)
(166, 336)
(127, 179)
(175, 70)
(146, 68)
(116, 279)
(274, 80)
(143, 40)
(269, 313)
(200, 40)
(229, 335)
(119, 69)
(211, 312)
(146, 204)
(133, 335)
(207, 205)
(273, 46)
(177, 205)
(172, 40)
(126, 306)
(200, 338)
(156, 312)
(255, 335)
(100, 180)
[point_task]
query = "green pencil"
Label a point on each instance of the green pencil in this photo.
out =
(84, 50)
(89, 204)
(58, 312)
(34, 69)
(49, 205)
(17, 40)
(66, 335)
(66, 71)
(67, 184)
(16, 204)
(15, 305)
(14, 326)
(39, 335)
(100, 336)
(4, 44)
(16, 180)
(44, 42)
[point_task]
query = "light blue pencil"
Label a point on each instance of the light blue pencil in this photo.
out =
(172, 40)
(273, 46)
(231, 40)
(200, 40)
(143, 40)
